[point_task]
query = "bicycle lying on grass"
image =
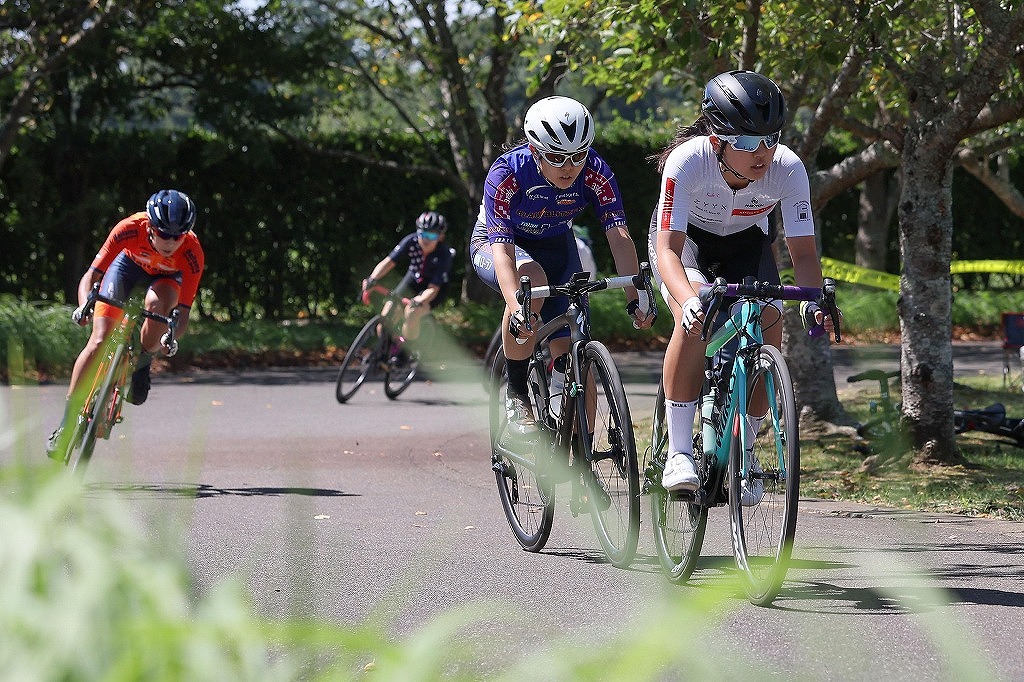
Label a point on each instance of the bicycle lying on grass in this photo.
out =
(762, 529)
(991, 419)
(588, 442)
(883, 428)
(376, 350)
(101, 405)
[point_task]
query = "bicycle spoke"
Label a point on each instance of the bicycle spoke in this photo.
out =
(610, 449)
(678, 523)
(764, 515)
(528, 501)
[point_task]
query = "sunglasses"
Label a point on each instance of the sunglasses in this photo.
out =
(167, 235)
(558, 160)
(750, 143)
(429, 236)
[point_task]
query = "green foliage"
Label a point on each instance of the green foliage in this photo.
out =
(36, 336)
(988, 485)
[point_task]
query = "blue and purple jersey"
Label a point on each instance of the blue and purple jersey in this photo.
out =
(520, 203)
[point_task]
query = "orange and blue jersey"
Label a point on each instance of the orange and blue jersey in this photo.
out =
(131, 237)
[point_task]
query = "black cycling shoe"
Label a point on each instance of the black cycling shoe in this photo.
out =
(53, 444)
(139, 390)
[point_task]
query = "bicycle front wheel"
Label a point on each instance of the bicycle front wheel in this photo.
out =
(764, 481)
(95, 418)
(678, 523)
(360, 360)
(527, 500)
(605, 439)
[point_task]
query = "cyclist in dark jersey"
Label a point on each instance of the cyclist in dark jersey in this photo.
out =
(158, 250)
(531, 196)
(430, 265)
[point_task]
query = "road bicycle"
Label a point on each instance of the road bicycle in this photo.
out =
(376, 350)
(101, 406)
(726, 455)
(882, 429)
(588, 442)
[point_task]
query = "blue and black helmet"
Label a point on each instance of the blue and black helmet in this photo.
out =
(171, 212)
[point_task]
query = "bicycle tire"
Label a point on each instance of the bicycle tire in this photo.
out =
(762, 533)
(100, 407)
(492, 351)
(397, 380)
(610, 469)
(529, 504)
(360, 360)
(678, 524)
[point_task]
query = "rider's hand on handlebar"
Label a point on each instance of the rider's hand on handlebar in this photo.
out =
(518, 328)
(169, 344)
(642, 319)
(812, 315)
(79, 317)
(692, 315)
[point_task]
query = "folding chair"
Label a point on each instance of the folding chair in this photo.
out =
(1013, 346)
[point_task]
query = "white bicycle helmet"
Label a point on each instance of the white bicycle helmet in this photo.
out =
(560, 125)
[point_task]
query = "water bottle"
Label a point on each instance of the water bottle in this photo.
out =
(555, 391)
(709, 438)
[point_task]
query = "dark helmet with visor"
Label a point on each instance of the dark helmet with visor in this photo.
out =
(171, 212)
(744, 103)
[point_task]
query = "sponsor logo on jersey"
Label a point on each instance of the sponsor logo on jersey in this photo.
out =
(803, 211)
(667, 200)
(599, 185)
(537, 192)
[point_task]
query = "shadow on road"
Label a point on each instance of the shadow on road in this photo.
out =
(200, 490)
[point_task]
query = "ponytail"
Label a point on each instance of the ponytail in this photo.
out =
(699, 128)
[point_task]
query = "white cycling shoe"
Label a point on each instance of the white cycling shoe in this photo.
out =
(751, 488)
(680, 473)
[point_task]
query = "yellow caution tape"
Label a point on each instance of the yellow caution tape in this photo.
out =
(848, 272)
(1009, 267)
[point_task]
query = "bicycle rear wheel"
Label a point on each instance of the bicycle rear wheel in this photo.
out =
(679, 524)
(360, 360)
(604, 434)
(763, 525)
(529, 504)
(397, 379)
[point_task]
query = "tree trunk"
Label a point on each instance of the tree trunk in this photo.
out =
(877, 205)
(926, 234)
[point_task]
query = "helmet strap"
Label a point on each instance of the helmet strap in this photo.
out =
(724, 164)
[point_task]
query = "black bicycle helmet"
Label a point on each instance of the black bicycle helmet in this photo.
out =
(171, 212)
(744, 103)
(429, 221)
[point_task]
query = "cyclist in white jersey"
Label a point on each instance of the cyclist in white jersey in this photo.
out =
(721, 177)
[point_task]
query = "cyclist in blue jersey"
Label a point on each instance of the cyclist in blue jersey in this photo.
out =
(531, 195)
(721, 177)
(430, 265)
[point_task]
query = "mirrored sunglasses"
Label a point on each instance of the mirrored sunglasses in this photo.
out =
(750, 143)
(429, 236)
(167, 235)
(558, 160)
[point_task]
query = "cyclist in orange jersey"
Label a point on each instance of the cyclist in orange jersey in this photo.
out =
(158, 250)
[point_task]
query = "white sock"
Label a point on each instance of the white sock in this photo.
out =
(679, 417)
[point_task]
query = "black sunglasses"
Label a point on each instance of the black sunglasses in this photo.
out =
(167, 235)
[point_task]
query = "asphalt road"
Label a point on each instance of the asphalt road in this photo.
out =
(387, 510)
